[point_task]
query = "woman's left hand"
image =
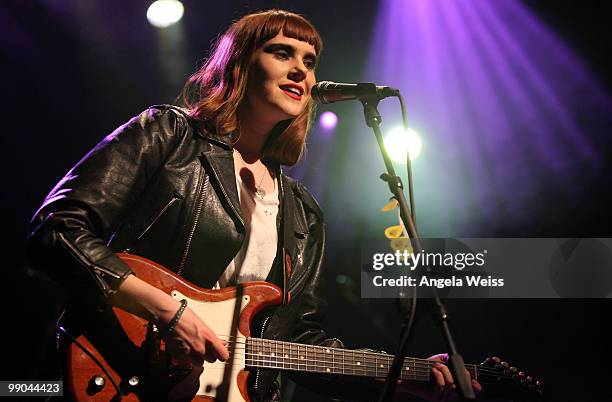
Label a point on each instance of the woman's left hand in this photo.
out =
(445, 389)
(441, 388)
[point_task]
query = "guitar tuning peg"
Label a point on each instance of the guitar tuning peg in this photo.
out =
(513, 369)
(529, 379)
(505, 365)
(496, 359)
(521, 374)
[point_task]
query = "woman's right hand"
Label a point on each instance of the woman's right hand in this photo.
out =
(191, 339)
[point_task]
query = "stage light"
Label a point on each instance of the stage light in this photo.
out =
(328, 120)
(163, 13)
(398, 142)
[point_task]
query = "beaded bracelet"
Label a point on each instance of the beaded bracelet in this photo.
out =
(172, 324)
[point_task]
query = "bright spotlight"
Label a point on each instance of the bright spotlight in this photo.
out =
(398, 142)
(163, 13)
(328, 120)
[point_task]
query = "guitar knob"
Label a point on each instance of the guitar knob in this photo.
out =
(96, 384)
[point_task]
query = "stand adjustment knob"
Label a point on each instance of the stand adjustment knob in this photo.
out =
(133, 381)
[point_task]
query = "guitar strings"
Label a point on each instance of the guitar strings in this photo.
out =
(419, 364)
(263, 343)
(314, 361)
(281, 361)
(317, 363)
(367, 355)
(360, 370)
(424, 364)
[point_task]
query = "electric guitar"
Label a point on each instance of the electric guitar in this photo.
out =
(121, 357)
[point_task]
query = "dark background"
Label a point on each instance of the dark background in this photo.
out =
(67, 83)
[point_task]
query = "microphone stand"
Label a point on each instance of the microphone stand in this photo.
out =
(373, 120)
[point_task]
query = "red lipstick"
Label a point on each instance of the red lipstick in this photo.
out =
(294, 91)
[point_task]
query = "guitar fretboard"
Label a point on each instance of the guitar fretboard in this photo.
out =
(266, 353)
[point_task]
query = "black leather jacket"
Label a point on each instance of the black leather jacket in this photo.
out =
(166, 190)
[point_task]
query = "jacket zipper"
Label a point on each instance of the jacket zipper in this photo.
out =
(159, 214)
(193, 227)
(86, 262)
(263, 328)
(292, 289)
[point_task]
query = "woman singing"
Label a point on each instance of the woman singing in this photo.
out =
(200, 191)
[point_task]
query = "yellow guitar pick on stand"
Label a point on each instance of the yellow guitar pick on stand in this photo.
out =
(396, 234)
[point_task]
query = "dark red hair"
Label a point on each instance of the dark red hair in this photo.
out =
(214, 93)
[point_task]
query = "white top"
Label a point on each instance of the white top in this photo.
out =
(254, 260)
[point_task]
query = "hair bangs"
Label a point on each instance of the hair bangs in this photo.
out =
(292, 26)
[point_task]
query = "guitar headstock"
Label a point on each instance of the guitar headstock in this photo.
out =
(495, 373)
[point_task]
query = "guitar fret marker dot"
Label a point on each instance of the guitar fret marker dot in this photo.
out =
(327, 350)
(359, 363)
(328, 370)
(302, 357)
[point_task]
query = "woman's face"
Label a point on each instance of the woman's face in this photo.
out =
(281, 77)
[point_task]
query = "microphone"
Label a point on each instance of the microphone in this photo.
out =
(329, 92)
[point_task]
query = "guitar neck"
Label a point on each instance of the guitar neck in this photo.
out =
(267, 353)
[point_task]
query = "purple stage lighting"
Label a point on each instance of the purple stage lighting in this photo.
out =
(328, 120)
(510, 111)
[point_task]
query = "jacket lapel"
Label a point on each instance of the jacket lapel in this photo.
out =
(221, 163)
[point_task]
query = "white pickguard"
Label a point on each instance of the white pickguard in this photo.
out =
(218, 316)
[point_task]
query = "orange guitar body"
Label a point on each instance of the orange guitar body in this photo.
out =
(127, 348)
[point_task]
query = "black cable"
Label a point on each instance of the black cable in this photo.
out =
(406, 330)
(408, 162)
